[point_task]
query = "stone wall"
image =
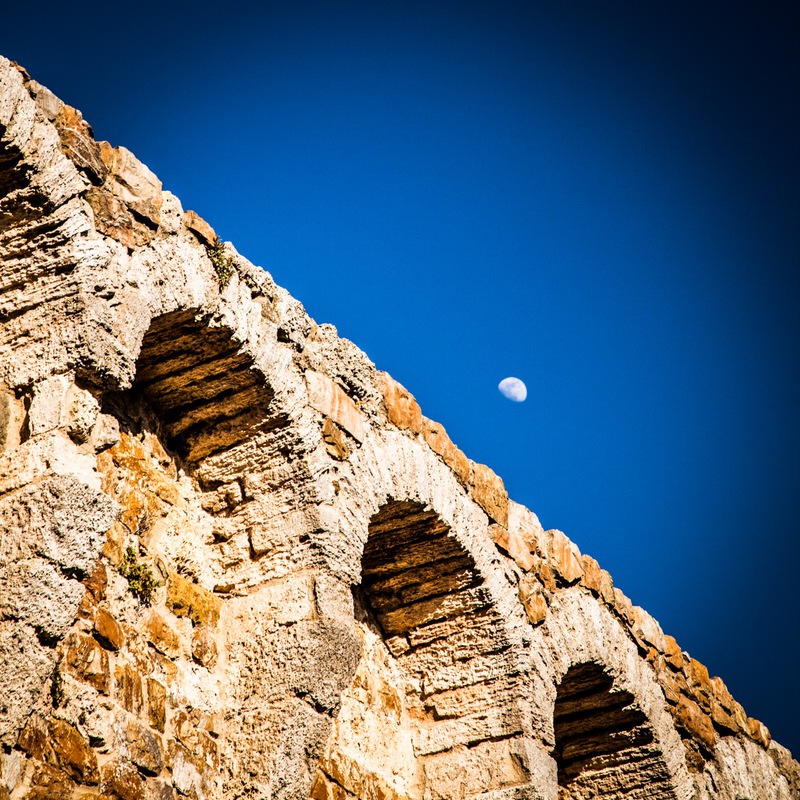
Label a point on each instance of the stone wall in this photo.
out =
(238, 562)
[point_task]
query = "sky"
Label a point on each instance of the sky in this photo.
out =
(600, 199)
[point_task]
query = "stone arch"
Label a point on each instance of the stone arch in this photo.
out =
(604, 745)
(436, 676)
(200, 381)
(601, 713)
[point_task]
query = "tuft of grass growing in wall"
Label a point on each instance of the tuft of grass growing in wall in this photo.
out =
(223, 263)
(56, 687)
(141, 581)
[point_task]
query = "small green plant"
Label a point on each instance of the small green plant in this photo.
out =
(223, 263)
(56, 687)
(141, 581)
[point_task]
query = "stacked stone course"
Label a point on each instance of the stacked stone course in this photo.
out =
(238, 561)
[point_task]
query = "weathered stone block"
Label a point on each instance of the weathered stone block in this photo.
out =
(187, 599)
(693, 719)
(89, 661)
(401, 407)
(533, 599)
(199, 227)
(144, 748)
(129, 688)
(108, 630)
(156, 704)
(437, 439)
(564, 557)
(77, 143)
(329, 399)
(489, 492)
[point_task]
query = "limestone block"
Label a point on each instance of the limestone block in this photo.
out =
(80, 413)
(88, 661)
(204, 647)
(142, 747)
(26, 669)
(199, 227)
(693, 719)
(533, 599)
(327, 398)
(59, 744)
(105, 433)
(758, 732)
(437, 439)
(401, 407)
(133, 183)
(725, 711)
(37, 593)
(78, 144)
(156, 704)
(108, 630)
(469, 771)
(120, 778)
(597, 580)
(47, 401)
(673, 653)
(46, 101)
(564, 557)
(161, 635)
(526, 524)
(12, 417)
(489, 492)
(513, 543)
(187, 599)
(647, 630)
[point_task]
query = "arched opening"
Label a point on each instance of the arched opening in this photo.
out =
(427, 715)
(201, 384)
(604, 745)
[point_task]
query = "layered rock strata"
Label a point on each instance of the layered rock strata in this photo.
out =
(238, 562)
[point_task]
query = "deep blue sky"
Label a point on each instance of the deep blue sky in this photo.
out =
(599, 198)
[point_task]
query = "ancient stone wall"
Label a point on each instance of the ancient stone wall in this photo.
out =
(238, 562)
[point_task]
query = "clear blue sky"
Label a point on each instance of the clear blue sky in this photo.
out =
(598, 198)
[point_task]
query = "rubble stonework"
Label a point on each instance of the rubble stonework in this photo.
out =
(238, 562)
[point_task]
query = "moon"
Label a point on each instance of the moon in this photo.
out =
(513, 389)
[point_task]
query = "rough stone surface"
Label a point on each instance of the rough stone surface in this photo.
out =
(238, 561)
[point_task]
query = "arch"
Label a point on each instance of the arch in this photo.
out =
(604, 745)
(445, 670)
(599, 710)
(201, 383)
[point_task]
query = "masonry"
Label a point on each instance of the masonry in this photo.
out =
(237, 561)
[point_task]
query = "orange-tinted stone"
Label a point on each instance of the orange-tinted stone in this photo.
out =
(695, 721)
(89, 661)
(673, 653)
(204, 648)
(97, 581)
(187, 599)
(108, 630)
(758, 732)
(402, 409)
(199, 227)
(564, 557)
(129, 688)
(161, 635)
(156, 704)
(437, 439)
(122, 780)
(489, 492)
(533, 600)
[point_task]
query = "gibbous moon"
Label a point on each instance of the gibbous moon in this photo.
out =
(513, 388)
